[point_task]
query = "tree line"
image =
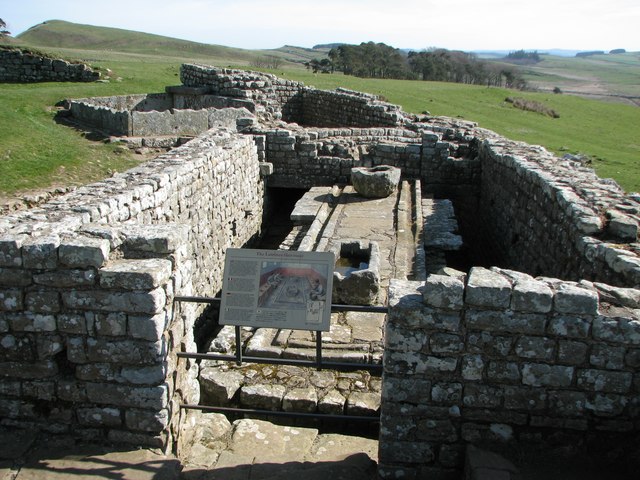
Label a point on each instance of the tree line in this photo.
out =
(377, 60)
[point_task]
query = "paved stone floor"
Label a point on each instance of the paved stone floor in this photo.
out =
(244, 450)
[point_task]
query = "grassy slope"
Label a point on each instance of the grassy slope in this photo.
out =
(36, 152)
(617, 73)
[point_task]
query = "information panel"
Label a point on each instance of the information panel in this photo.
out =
(277, 289)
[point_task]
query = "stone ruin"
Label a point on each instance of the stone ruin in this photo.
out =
(511, 278)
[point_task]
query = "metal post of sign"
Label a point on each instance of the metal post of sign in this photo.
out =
(238, 346)
(319, 349)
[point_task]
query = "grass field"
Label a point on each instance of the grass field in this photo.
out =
(36, 152)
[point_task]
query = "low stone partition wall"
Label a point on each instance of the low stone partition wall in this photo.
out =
(89, 331)
(23, 66)
(347, 108)
(308, 157)
(158, 114)
(505, 359)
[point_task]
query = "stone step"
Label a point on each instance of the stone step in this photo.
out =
(260, 450)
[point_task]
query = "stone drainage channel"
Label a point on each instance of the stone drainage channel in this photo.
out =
(407, 236)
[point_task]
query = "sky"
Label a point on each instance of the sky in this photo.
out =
(468, 25)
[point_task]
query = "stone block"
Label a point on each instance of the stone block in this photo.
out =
(127, 396)
(11, 299)
(84, 251)
(145, 274)
(147, 327)
(506, 321)
(42, 301)
(524, 398)
(146, 420)
(10, 250)
(543, 375)
(487, 289)
(621, 226)
(124, 351)
(574, 299)
(267, 397)
(13, 277)
(572, 353)
(607, 357)
(66, 278)
(444, 292)
(531, 296)
(110, 324)
(472, 367)
(32, 322)
(446, 393)
(219, 387)
(419, 453)
(503, 372)
(99, 417)
(540, 348)
(41, 252)
(131, 302)
(618, 330)
(160, 239)
(604, 381)
(363, 403)
(571, 327)
(144, 375)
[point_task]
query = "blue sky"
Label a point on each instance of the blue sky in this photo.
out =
(454, 24)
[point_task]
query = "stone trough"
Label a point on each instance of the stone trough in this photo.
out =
(356, 278)
(375, 182)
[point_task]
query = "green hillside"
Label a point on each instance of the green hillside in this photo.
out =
(37, 152)
(61, 34)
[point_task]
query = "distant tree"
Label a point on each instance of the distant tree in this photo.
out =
(3, 31)
(617, 50)
(323, 66)
(369, 60)
(521, 56)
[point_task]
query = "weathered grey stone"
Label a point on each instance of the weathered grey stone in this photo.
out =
(363, 403)
(541, 348)
(622, 226)
(145, 274)
(573, 299)
(267, 397)
(531, 296)
(443, 292)
(146, 420)
(332, 403)
(300, 400)
(10, 250)
(147, 327)
(472, 367)
(41, 252)
(543, 375)
(132, 302)
(362, 285)
(619, 330)
(126, 396)
(219, 387)
(66, 278)
(487, 289)
(164, 238)
(100, 417)
(375, 182)
(604, 381)
(84, 251)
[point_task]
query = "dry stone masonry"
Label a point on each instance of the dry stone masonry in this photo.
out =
(23, 66)
(539, 341)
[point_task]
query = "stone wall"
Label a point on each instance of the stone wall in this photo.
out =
(554, 217)
(88, 328)
(22, 66)
(155, 115)
(274, 96)
(504, 358)
(347, 108)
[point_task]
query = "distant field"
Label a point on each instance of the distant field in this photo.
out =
(35, 152)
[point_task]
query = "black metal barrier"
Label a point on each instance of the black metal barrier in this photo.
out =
(318, 364)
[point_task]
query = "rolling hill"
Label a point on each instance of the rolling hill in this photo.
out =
(67, 35)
